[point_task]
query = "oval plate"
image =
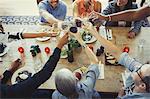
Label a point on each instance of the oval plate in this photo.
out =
(42, 39)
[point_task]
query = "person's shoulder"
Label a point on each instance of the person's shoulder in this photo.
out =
(57, 95)
(62, 3)
(43, 2)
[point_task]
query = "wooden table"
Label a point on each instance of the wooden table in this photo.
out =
(111, 83)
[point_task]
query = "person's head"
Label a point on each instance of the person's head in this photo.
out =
(141, 78)
(65, 82)
(122, 2)
(53, 3)
(88, 4)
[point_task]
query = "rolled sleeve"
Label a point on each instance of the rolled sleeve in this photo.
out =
(42, 6)
(91, 76)
(128, 62)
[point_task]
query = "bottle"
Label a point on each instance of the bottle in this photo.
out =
(70, 54)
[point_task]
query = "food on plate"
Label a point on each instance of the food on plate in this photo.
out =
(24, 75)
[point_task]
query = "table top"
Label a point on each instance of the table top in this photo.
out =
(111, 82)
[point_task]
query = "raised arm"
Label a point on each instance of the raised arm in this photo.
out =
(109, 46)
(48, 17)
(27, 87)
(123, 59)
(92, 57)
(128, 15)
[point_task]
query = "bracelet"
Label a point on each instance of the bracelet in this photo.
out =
(109, 18)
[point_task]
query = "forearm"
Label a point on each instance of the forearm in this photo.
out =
(92, 57)
(128, 62)
(48, 17)
(109, 46)
(35, 35)
(131, 15)
(75, 10)
(48, 68)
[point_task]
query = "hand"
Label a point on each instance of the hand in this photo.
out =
(63, 41)
(1, 76)
(131, 34)
(121, 91)
(15, 65)
(95, 15)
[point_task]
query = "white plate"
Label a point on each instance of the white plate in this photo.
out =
(5, 50)
(93, 39)
(25, 68)
(43, 39)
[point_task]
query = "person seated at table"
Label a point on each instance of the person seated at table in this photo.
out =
(121, 5)
(82, 8)
(26, 88)
(140, 72)
(52, 11)
(128, 15)
(68, 85)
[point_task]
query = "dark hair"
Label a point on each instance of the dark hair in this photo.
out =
(142, 2)
(127, 6)
(147, 83)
